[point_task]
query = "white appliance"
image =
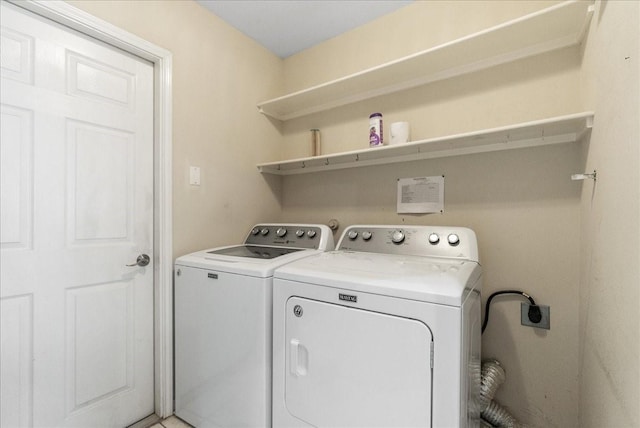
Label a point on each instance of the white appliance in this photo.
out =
(382, 332)
(223, 301)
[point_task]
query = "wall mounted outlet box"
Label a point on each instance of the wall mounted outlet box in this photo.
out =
(545, 322)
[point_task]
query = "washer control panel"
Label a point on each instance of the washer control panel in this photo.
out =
(432, 241)
(289, 235)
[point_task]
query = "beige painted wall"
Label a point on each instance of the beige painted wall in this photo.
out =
(610, 212)
(219, 75)
(536, 88)
(408, 30)
(521, 203)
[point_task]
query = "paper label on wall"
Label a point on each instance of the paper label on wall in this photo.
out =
(421, 195)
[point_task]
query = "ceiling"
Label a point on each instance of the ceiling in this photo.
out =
(286, 27)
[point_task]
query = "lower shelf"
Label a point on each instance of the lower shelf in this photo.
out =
(557, 130)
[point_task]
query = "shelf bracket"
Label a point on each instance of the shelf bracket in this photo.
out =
(585, 176)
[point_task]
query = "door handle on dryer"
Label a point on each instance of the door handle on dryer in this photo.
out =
(298, 358)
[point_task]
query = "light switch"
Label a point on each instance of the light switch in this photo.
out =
(194, 175)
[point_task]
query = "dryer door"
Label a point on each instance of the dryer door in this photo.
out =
(351, 367)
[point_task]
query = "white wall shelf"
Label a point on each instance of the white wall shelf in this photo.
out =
(557, 130)
(559, 26)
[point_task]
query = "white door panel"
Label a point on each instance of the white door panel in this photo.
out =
(17, 55)
(350, 367)
(16, 362)
(16, 164)
(77, 206)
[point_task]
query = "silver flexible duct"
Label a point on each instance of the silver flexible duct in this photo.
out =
(493, 375)
(498, 416)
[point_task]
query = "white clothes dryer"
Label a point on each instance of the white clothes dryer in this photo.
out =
(223, 325)
(382, 332)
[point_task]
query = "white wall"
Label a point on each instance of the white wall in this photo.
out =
(219, 75)
(610, 247)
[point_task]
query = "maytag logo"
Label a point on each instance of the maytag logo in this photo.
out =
(348, 297)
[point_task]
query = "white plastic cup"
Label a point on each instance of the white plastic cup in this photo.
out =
(399, 132)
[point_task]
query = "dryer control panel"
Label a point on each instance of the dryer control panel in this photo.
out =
(427, 241)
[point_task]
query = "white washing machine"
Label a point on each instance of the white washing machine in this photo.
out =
(223, 301)
(382, 332)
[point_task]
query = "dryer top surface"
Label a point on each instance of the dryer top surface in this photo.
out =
(428, 279)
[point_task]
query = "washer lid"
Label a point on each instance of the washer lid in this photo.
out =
(261, 267)
(267, 246)
(254, 251)
(426, 279)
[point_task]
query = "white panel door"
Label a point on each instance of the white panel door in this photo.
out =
(348, 367)
(76, 206)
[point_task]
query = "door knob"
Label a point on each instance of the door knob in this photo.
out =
(141, 261)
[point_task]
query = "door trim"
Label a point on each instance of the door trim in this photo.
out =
(65, 14)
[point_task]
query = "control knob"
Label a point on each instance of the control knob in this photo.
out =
(264, 232)
(311, 233)
(453, 239)
(366, 235)
(352, 234)
(255, 231)
(299, 233)
(397, 237)
(281, 232)
(434, 238)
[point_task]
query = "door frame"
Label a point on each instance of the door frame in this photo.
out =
(83, 22)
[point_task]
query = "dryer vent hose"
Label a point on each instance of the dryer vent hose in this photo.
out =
(493, 375)
(498, 416)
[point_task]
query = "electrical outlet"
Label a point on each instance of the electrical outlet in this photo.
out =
(545, 322)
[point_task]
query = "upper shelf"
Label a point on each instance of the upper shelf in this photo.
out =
(563, 129)
(556, 27)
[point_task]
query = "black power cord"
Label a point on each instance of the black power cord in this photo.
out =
(535, 315)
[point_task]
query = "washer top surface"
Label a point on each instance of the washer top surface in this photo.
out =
(266, 247)
(413, 268)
